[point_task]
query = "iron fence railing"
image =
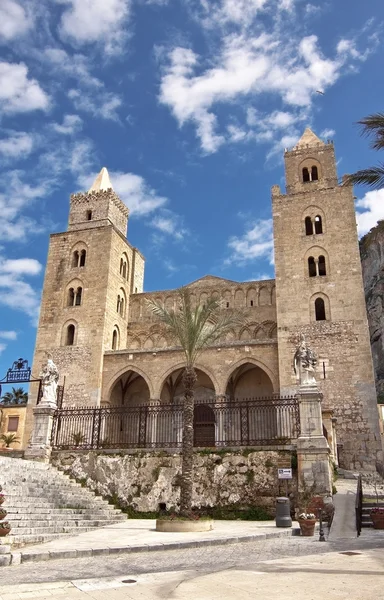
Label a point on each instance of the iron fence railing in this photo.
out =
(268, 421)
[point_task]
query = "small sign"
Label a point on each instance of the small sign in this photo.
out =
(284, 473)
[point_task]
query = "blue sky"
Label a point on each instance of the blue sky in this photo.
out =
(189, 104)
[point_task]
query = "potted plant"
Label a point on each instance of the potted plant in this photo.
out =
(307, 522)
(377, 517)
(2, 498)
(306, 518)
(78, 438)
(5, 528)
(9, 438)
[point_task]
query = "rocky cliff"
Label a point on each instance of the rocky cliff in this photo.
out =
(372, 260)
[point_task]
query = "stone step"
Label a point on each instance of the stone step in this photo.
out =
(69, 513)
(22, 524)
(18, 541)
(57, 528)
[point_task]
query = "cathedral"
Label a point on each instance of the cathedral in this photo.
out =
(111, 351)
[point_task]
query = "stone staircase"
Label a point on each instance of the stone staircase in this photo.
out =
(44, 504)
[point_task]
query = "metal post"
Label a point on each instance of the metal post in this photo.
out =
(321, 530)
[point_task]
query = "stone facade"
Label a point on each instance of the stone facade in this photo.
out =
(116, 353)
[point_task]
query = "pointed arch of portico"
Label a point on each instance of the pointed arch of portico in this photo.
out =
(162, 379)
(124, 370)
(253, 361)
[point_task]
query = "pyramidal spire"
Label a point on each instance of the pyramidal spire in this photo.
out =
(102, 182)
(309, 139)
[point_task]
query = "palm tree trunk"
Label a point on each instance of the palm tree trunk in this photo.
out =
(186, 488)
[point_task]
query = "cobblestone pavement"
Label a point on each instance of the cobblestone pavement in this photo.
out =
(206, 559)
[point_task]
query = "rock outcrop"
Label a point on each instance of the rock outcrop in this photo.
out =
(372, 260)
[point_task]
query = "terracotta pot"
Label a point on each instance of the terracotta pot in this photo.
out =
(307, 527)
(177, 526)
(2, 499)
(378, 520)
(4, 531)
(3, 514)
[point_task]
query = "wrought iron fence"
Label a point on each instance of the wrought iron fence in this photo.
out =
(255, 422)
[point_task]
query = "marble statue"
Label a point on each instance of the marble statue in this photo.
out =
(304, 363)
(49, 378)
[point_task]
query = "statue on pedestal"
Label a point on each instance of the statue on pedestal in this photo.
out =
(304, 363)
(49, 378)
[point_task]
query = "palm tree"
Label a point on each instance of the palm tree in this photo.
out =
(194, 328)
(373, 125)
(16, 396)
(9, 438)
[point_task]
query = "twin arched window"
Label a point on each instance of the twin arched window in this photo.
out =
(124, 266)
(121, 304)
(313, 226)
(74, 296)
(310, 174)
(78, 258)
(317, 266)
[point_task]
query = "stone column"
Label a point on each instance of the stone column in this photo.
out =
(39, 447)
(220, 424)
(312, 447)
(152, 435)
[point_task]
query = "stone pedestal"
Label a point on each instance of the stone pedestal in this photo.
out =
(312, 447)
(39, 447)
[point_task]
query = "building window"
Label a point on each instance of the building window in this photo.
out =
(318, 224)
(322, 269)
(314, 174)
(227, 304)
(118, 304)
(71, 297)
(83, 255)
(308, 226)
(70, 337)
(78, 295)
(75, 259)
(251, 302)
(320, 309)
(115, 339)
(305, 175)
(122, 306)
(89, 215)
(13, 423)
(311, 267)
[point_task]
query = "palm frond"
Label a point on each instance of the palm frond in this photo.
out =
(373, 125)
(373, 176)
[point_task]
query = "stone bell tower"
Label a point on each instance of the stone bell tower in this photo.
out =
(319, 293)
(90, 273)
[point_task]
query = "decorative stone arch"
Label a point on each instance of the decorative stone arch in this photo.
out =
(245, 334)
(121, 303)
(264, 296)
(128, 367)
(79, 248)
(115, 338)
(316, 252)
(227, 298)
(239, 298)
(148, 343)
(64, 332)
(158, 385)
(252, 297)
(169, 303)
(254, 361)
(124, 266)
(77, 285)
(270, 327)
(327, 306)
(135, 309)
(311, 215)
(312, 166)
(215, 295)
(133, 342)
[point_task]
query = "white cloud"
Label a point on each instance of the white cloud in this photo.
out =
(2, 347)
(370, 210)
(18, 93)
(8, 335)
(102, 104)
(244, 68)
(15, 292)
(14, 21)
(75, 66)
(257, 242)
(90, 21)
(17, 145)
(71, 124)
(328, 134)
(169, 223)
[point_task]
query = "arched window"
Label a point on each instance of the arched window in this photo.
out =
(305, 175)
(308, 226)
(78, 295)
(88, 214)
(75, 259)
(118, 304)
(115, 339)
(320, 309)
(70, 337)
(83, 254)
(318, 224)
(314, 173)
(71, 297)
(121, 266)
(322, 268)
(311, 267)
(122, 307)
(124, 270)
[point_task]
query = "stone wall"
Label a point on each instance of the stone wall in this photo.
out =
(143, 480)
(372, 260)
